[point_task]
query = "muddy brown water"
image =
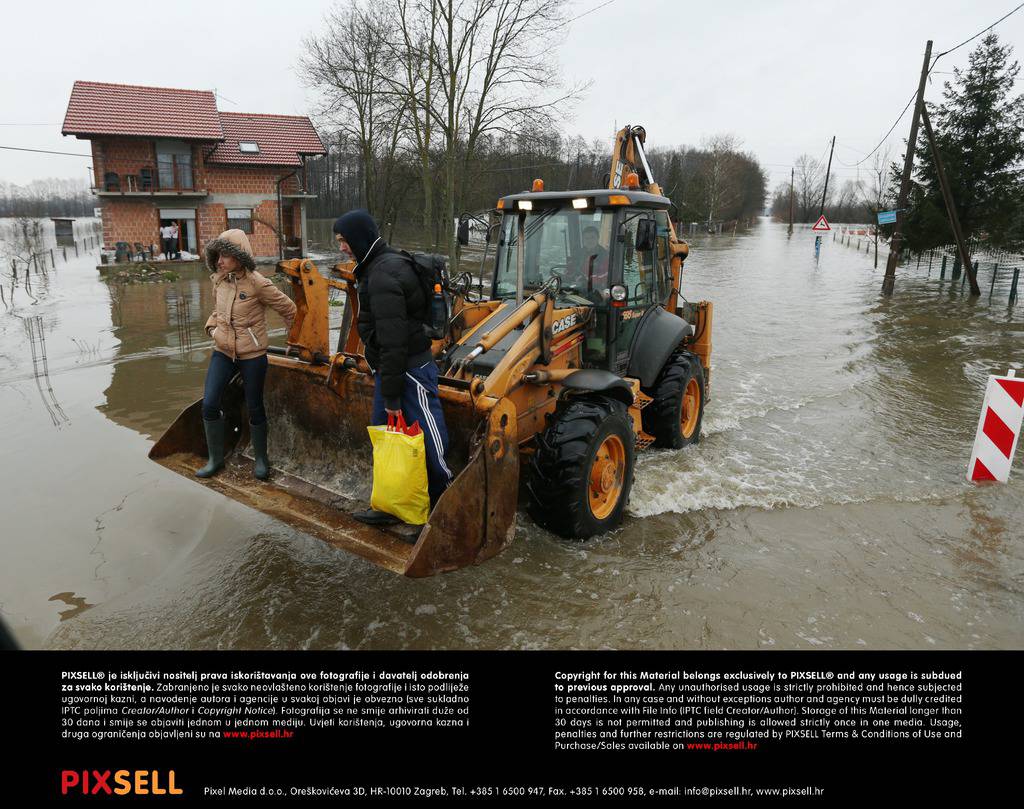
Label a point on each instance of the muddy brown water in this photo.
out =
(825, 506)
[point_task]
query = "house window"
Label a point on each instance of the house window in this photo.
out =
(174, 165)
(248, 147)
(240, 218)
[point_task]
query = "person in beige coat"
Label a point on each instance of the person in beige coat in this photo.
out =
(238, 327)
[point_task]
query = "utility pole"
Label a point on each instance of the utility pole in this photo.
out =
(947, 197)
(828, 171)
(889, 282)
(791, 201)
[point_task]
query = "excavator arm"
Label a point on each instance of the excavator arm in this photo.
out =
(630, 169)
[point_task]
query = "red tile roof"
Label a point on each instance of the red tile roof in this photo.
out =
(97, 108)
(281, 139)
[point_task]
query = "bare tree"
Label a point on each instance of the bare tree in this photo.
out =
(809, 182)
(497, 75)
(719, 173)
(415, 82)
(351, 63)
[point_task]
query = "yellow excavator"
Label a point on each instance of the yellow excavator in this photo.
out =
(582, 353)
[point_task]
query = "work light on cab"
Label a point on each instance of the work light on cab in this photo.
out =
(580, 203)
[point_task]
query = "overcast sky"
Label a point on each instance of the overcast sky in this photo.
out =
(782, 75)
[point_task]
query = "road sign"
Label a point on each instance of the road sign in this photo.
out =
(821, 224)
(998, 429)
(887, 217)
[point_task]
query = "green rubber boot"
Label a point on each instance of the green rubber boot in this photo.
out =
(258, 436)
(215, 447)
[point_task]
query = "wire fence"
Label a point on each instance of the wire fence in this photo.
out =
(998, 270)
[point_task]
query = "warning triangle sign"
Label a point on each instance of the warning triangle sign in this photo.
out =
(821, 224)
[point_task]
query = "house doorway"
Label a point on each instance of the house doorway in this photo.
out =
(185, 218)
(288, 226)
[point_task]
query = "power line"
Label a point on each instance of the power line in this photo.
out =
(44, 151)
(982, 31)
(584, 14)
(930, 69)
(885, 137)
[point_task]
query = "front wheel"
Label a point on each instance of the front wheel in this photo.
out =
(674, 417)
(582, 471)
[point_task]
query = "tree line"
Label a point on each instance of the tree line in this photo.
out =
(432, 108)
(711, 183)
(49, 197)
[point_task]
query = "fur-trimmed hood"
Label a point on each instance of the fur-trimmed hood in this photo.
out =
(233, 243)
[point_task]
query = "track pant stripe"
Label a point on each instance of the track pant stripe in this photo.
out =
(421, 393)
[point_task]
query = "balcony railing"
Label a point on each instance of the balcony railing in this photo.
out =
(173, 174)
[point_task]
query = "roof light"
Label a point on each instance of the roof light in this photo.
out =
(525, 205)
(538, 184)
(248, 147)
(632, 180)
(580, 203)
(618, 199)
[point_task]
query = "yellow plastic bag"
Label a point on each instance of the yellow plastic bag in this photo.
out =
(400, 471)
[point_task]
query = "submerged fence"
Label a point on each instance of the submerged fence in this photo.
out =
(998, 271)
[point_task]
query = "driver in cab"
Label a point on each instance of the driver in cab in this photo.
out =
(590, 272)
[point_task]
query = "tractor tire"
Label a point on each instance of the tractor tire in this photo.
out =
(674, 417)
(582, 471)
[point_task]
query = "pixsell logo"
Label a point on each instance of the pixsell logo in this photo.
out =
(118, 782)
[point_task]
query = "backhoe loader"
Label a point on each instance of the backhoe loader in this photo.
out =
(582, 354)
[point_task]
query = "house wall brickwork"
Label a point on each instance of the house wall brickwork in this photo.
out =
(137, 219)
(130, 221)
(122, 155)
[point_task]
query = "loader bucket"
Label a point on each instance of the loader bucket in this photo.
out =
(321, 458)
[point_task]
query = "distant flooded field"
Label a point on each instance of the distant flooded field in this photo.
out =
(825, 506)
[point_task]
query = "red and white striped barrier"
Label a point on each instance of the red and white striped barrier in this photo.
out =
(998, 429)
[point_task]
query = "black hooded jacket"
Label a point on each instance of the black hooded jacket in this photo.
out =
(392, 306)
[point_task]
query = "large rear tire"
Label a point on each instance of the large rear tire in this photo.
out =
(582, 471)
(674, 417)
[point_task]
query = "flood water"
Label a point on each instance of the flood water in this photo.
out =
(825, 506)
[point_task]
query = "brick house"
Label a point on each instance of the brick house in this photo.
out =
(164, 155)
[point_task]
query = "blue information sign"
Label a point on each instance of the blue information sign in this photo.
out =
(887, 217)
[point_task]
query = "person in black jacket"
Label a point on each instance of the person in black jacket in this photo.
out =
(393, 311)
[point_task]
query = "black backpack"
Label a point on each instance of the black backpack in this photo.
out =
(432, 271)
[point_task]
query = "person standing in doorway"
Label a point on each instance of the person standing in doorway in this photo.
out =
(175, 247)
(238, 327)
(393, 312)
(165, 242)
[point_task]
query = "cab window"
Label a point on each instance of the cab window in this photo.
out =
(664, 256)
(638, 267)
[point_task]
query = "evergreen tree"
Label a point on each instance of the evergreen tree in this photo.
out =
(979, 128)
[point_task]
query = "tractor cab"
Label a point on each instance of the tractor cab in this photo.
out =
(608, 250)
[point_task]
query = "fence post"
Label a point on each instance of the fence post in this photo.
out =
(76, 249)
(65, 255)
(956, 267)
(942, 272)
(53, 264)
(992, 286)
(1013, 286)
